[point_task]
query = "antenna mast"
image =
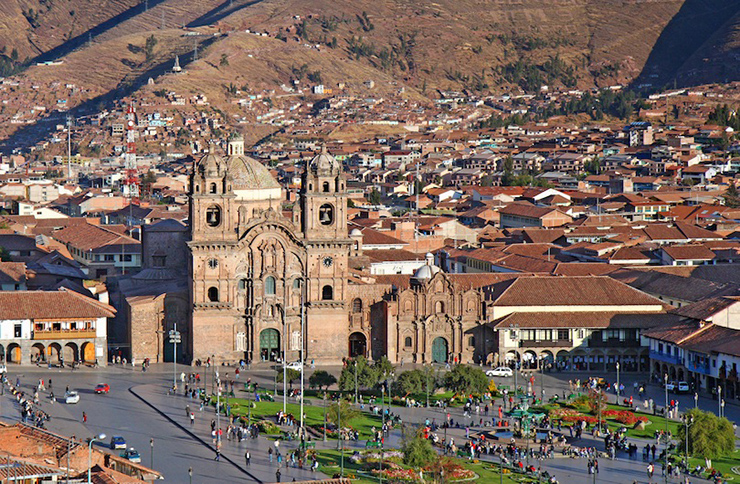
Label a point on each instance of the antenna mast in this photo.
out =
(131, 187)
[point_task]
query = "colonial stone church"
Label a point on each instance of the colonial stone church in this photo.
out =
(254, 270)
(262, 281)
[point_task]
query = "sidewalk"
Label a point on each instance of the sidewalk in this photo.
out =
(172, 407)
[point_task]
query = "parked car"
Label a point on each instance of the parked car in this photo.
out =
(117, 442)
(3, 368)
(295, 365)
(670, 386)
(683, 387)
(131, 454)
(102, 388)
(71, 397)
(500, 371)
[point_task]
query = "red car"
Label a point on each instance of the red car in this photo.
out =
(102, 388)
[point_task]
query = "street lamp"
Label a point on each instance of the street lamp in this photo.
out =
(98, 438)
(190, 474)
(722, 408)
(665, 417)
(617, 365)
(324, 416)
(696, 400)
(688, 420)
(356, 391)
(719, 399)
(515, 337)
(151, 445)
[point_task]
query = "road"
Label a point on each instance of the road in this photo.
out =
(139, 409)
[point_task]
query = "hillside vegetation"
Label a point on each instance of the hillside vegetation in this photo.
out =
(483, 46)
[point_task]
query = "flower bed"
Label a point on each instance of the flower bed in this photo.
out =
(570, 415)
(625, 417)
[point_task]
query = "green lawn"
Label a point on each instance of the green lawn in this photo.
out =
(330, 464)
(314, 414)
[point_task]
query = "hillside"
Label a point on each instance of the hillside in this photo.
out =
(484, 46)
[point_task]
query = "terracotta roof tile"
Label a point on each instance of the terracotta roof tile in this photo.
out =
(50, 304)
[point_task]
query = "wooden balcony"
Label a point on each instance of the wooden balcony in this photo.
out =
(64, 334)
(558, 343)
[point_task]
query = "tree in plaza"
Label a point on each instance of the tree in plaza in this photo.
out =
(342, 409)
(291, 375)
(416, 381)
(321, 379)
(384, 368)
(596, 400)
(367, 376)
(710, 436)
(417, 451)
(466, 379)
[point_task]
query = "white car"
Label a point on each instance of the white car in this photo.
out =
(3, 368)
(295, 365)
(500, 371)
(683, 387)
(71, 397)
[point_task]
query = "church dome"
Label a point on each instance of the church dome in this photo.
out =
(428, 270)
(355, 233)
(324, 163)
(249, 174)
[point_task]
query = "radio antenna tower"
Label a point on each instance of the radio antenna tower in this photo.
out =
(131, 187)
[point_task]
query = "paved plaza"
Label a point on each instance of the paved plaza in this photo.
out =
(140, 409)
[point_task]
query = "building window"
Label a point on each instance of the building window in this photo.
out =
(159, 260)
(439, 307)
(213, 188)
(327, 293)
(213, 294)
(407, 342)
(563, 334)
(357, 305)
(581, 333)
(242, 284)
(471, 341)
(212, 263)
(270, 286)
(17, 331)
(326, 187)
(126, 258)
(213, 216)
(241, 341)
(110, 258)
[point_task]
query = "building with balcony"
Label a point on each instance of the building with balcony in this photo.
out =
(575, 323)
(56, 327)
(701, 346)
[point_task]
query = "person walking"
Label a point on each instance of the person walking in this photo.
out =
(192, 419)
(650, 470)
(277, 475)
(269, 454)
(84, 417)
(247, 458)
(218, 454)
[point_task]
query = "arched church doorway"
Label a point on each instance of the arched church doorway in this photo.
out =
(269, 344)
(439, 350)
(357, 345)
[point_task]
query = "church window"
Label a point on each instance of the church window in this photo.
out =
(407, 342)
(212, 263)
(408, 306)
(242, 284)
(213, 188)
(241, 341)
(326, 187)
(357, 305)
(213, 294)
(439, 307)
(213, 216)
(326, 214)
(197, 188)
(270, 286)
(296, 284)
(327, 293)
(471, 341)
(159, 260)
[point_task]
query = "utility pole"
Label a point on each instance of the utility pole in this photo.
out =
(357, 400)
(617, 383)
(175, 337)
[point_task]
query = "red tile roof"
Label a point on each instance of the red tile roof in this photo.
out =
(51, 305)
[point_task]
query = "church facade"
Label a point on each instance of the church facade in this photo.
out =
(257, 274)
